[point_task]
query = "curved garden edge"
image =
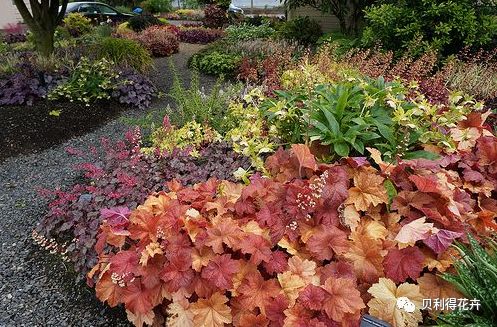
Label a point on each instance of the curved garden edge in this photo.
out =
(38, 289)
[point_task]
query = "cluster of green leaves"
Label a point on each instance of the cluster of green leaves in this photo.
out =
(302, 29)
(89, 81)
(126, 52)
(141, 22)
(419, 26)
(77, 24)
(355, 113)
(157, 6)
(216, 63)
(475, 278)
(200, 105)
(244, 32)
(192, 135)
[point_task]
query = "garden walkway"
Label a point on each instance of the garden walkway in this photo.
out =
(37, 289)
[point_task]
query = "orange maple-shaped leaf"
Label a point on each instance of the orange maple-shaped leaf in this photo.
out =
(252, 320)
(109, 291)
(212, 312)
(303, 268)
(201, 257)
(178, 314)
(304, 157)
(291, 284)
(342, 298)
(141, 319)
(365, 254)
(224, 231)
(434, 287)
(384, 303)
(327, 241)
(255, 292)
(368, 191)
(415, 231)
(149, 252)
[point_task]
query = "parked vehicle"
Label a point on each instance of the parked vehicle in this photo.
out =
(97, 11)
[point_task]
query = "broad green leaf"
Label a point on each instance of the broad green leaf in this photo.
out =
(421, 154)
(341, 148)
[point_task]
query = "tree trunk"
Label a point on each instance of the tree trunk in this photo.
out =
(44, 41)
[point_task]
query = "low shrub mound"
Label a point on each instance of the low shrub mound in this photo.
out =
(158, 41)
(199, 35)
(77, 24)
(244, 32)
(141, 22)
(302, 29)
(214, 16)
(157, 6)
(216, 63)
(128, 53)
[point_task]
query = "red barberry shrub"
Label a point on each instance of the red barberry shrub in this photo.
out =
(313, 245)
(124, 177)
(159, 41)
(214, 16)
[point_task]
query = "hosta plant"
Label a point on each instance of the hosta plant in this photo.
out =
(314, 245)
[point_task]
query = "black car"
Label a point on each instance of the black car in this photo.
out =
(97, 11)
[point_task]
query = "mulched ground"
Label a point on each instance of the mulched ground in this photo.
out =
(30, 129)
(37, 288)
(25, 129)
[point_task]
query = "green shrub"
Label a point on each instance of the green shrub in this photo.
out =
(340, 43)
(445, 26)
(244, 32)
(89, 82)
(302, 29)
(77, 24)
(194, 103)
(124, 9)
(125, 52)
(157, 6)
(217, 63)
(141, 22)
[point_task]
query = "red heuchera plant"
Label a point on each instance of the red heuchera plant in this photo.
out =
(161, 42)
(314, 245)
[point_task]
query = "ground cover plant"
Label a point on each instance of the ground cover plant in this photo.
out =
(199, 35)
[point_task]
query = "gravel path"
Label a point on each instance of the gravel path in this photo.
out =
(37, 289)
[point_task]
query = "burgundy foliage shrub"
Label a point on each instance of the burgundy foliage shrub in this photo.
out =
(14, 33)
(134, 89)
(159, 41)
(124, 177)
(215, 16)
(200, 35)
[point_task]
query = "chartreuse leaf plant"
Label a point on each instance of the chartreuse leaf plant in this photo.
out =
(475, 278)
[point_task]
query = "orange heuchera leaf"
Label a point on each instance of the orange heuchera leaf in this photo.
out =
(312, 297)
(368, 190)
(415, 231)
(109, 291)
(141, 319)
(366, 256)
(275, 310)
(225, 231)
(434, 287)
(257, 246)
(178, 314)
(178, 273)
(220, 271)
(303, 268)
(201, 257)
(304, 157)
(326, 241)
(384, 303)
(212, 312)
(255, 292)
(426, 184)
(137, 298)
(149, 252)
(401, 264)
(291, 285)
(251, 320)
(350, 217)
(342, 298)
